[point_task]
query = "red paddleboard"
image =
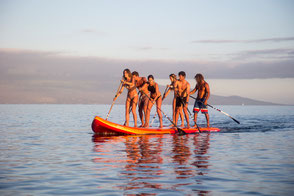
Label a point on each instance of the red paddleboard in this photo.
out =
(103, 127)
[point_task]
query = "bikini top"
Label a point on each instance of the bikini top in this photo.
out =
(152, 89)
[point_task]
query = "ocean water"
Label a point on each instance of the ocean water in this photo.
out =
(51, 150)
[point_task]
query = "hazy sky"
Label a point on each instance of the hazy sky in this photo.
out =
(243, 47)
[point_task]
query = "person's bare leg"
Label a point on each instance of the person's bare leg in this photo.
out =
(195, 119)
(127, 112)
(207, 119)
(174, 110)
(182, 118)
(145, 109)
(187, 116)
(147, 117)
(177, 115)
(158, 107)
(134, 105)
(141, 112)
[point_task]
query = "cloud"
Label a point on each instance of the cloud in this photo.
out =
(28, 76)
(145, 48)
(224, 41)
(94, 32)
(266, 54)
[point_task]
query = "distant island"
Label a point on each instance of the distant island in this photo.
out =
(89, 93)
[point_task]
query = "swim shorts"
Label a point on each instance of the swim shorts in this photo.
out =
(180, 101)
(199, 105)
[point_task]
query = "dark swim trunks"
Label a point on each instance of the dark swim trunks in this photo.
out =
(199, 105)
(181, 101)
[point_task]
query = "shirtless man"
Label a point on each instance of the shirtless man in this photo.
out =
(182, 89)
(202, 97)
(132, 97)
(171, 87)
(141, 84)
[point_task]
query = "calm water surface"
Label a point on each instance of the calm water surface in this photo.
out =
(50, 149)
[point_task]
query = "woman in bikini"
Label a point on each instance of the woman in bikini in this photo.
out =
(155, 97)
(171, 87)
(132, 97)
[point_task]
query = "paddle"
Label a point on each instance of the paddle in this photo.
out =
(155, 112)
(114, 101)
(220, 111)
(180, 131)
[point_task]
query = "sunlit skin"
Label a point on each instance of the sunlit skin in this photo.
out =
(170, 88)
(203, 92)
(182, 89)
(141, 84)
(132, 97)
(155, 98)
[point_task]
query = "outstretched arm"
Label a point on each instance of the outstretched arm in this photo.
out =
(193, 91)
(131, 84)
(119, 93)
(167, 92)
(188, 90)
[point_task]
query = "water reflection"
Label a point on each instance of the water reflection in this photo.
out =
(143, 162)
(156, 162)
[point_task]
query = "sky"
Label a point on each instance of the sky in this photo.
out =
(47, 48)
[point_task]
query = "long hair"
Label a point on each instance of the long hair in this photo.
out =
(173, 76)
(128, 73)
(199, 77)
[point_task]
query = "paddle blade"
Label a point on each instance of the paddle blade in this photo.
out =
(236, 121)
(181, 132)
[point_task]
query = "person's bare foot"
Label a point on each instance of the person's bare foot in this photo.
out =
(188, 127)
(208, 125)
(160, 126)
(141, 126)
(182, 125)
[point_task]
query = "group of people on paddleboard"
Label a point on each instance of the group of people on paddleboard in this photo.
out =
(148, 94)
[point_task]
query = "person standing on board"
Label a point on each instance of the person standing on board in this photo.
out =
(132, 97)
(141, 84)
(182, 89)
(171, 87)
(155, 97)
(202, 97)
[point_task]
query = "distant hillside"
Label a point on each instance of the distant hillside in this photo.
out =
(218, 100)
(88, 92)
(236, 100)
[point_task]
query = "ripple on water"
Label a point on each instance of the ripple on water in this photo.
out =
(47, 149)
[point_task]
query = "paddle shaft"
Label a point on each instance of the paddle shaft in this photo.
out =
(179, 130)
(220, 111)
(113, 101)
